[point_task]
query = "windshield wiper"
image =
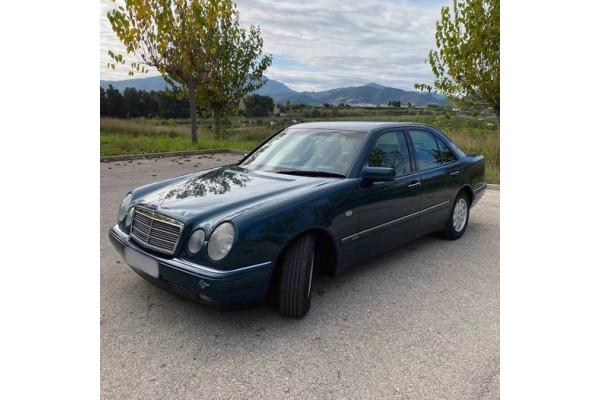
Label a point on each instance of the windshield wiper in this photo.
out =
(310, 173)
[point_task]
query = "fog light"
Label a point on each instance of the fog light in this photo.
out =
(196, 241)
(205, 298)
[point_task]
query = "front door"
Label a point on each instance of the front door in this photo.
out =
(388, 211)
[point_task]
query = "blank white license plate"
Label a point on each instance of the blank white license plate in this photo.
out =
(141, 262)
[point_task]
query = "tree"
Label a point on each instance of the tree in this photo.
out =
(169, 106)
(114, 102)
(467, 62)
(186, 40)
(148, 103)
(103, 102)
(166, 35)
(288, 109)
(235, 67)
(258, 106)
(131, 107)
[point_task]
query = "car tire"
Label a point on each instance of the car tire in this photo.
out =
(297, 275)
(458, 218)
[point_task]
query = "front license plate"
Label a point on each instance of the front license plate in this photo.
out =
(141, 262)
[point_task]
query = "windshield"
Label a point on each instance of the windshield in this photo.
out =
(316, 152)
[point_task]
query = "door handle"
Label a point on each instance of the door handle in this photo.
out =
(454, 173)
(414, 185)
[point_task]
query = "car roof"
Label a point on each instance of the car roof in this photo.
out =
(362, 126)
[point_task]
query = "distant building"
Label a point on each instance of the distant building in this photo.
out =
(368, 105)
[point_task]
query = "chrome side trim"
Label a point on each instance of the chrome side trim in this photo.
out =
(348, 239)
(388, 223)
(217, 271)
(356, 236)
(437, 205)
(480, 188)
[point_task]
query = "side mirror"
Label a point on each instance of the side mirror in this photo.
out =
(380, 174)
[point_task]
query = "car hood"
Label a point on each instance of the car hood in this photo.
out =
(224, 191)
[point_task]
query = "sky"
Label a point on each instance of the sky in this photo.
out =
(319, 45)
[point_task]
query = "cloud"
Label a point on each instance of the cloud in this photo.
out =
(110, 41)
(326, 44)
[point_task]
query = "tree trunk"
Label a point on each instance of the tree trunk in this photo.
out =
(192, 90)
(218, 124)
(497, 110)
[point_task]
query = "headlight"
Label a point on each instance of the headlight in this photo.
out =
(196, 241)
(124, 207)
(220, 241)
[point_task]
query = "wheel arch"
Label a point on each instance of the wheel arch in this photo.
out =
(326, 251)
(469, 191)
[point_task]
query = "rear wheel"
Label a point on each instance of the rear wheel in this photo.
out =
(458, 219)
(297, 274)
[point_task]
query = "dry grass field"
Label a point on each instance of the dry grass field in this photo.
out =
(473, 134)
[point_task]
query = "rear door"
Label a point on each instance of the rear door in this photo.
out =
(439, 171)
(388, 211)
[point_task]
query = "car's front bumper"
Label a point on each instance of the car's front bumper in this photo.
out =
(239, 288)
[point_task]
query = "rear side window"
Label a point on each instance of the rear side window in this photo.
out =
(391, 150)
(427, 152)
(447, 155)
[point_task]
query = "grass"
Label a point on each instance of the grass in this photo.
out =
(112, 144)
(119, 136)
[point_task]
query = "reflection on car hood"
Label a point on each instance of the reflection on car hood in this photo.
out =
(228, 190)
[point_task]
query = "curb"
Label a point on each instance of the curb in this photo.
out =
(169, 154)
(492, 186)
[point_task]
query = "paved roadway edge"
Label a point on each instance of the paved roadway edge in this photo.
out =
(169, 154)
(196, 152)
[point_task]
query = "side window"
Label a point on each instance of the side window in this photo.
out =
(447, 155)
(426, 149)
(391, 150)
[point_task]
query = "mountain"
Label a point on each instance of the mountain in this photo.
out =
(375, 85)
(148, 84)
(274, 89)
(270, 88)
(369, 94)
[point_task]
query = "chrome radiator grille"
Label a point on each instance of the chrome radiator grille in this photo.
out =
(155, 231)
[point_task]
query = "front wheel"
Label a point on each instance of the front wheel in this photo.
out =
(458, 219)
(297, 269)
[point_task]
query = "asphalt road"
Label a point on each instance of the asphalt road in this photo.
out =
(421, 322)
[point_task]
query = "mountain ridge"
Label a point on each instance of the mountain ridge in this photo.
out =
(370, 94)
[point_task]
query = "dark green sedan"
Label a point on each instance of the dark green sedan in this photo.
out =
(313, 198)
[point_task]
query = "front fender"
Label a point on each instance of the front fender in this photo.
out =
(263, 233)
